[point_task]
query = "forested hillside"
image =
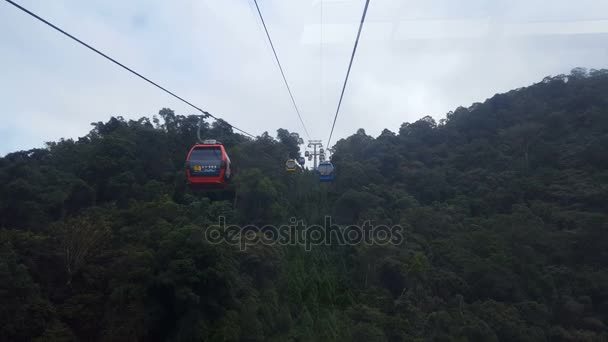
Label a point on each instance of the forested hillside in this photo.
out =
(504, 207)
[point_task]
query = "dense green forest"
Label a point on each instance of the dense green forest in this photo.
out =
(504, 207)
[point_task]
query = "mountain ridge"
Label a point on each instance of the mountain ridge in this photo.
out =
(503, 206)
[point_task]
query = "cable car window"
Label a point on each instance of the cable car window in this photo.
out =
(211, 153)
(326, 168)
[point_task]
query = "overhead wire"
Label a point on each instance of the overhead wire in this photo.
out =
(274, 51)
(321, 78)
(205, 113)
(350, 64)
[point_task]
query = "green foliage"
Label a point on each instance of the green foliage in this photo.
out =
(504, 208)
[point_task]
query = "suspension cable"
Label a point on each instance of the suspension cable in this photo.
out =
(348, 72)
(321, 78)
(205, 113)
(295, 106)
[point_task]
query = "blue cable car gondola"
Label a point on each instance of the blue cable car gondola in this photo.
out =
(326, 171)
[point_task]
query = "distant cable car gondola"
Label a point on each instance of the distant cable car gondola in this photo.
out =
(291, 165)
(208, 165)
(326, 171)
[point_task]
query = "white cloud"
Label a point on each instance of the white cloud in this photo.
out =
(415, 58)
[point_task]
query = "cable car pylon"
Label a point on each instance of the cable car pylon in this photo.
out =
(317, 146)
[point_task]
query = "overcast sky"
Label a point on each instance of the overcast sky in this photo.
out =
(415, 58)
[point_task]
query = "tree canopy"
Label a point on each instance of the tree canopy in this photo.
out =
(504, 206)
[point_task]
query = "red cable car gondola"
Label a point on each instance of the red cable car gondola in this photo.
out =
(208, 165)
